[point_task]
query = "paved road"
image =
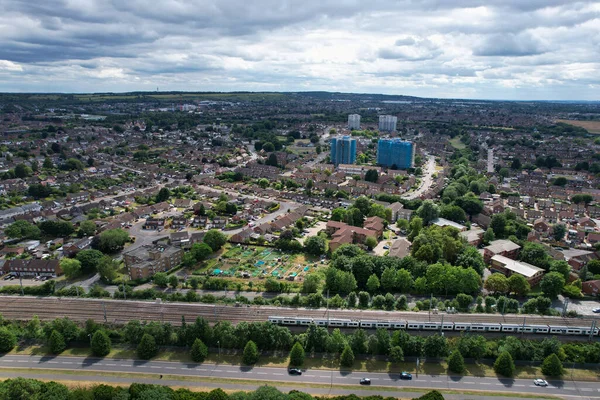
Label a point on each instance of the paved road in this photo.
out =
(279, 376)
(426, 180)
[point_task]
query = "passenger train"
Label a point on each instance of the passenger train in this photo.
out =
(438, 326)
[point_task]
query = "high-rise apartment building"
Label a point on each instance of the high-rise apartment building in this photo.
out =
(395, 153)
(354, 121)
(343, 150)
(387, 123)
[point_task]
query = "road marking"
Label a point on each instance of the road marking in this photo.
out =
(278, 374)
(8, 360)
(110, 365)
(323, 376)
(262, 373)
(436, 381)
(66, 362)
(170, 368)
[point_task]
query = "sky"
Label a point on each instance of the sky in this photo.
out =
(494, 49)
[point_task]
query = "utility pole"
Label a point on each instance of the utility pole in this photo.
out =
(430, 301)
(328, 307)
(565, 307)
(592, 331)
(104, 308)
(523, 327)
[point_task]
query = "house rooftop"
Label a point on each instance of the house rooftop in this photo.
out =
(501, 246)
(519, 267)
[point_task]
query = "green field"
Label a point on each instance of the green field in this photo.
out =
(457, 144)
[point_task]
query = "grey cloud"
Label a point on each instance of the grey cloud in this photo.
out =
(509, 46)
(405, 42)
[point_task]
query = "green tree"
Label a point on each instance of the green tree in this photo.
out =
(436, 346)
(371, 242)
(347, 357)
(396, 354)
(373, 284)
(100, 344)
(107, 268)
(496, 283)
(562, 267)
(504, 365)
(518, 285)
(552, 284)
(161, 279)
(215, 239)
(250, 355)
(272, 160)
(315, 245)
(22, 229)
(489, 236)
(173, 281)
(8, 340)
(372, 175)
(71, 267)
(89, 259)
(311, 283)
(552, 366)
(428, 212)
(87, 228)
(22, 171)
(111, 241)
(56, 342)
(559, 231)
(200, 251)
(199, 351)
(163, 195)
(147, 347)
(297, 355)
(456, 362)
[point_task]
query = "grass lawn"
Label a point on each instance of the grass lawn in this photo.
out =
(456, 143)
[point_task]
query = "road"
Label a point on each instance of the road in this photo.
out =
(426, 180)
(279, 376)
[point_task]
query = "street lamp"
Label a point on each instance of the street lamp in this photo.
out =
(90, 336)
(219, 346)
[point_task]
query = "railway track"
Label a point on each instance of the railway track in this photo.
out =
(120, 312)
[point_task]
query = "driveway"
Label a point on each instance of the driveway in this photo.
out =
(313, 231)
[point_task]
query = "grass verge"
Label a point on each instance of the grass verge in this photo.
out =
(95, 378)
(317, 363)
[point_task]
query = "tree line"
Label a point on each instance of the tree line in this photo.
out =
(22, 388)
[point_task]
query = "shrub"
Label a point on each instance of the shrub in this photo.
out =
(57, 342)
(297, 355)
(456, 362)
(552, 366)
(8, 340)
(250, 355)
(100, 344)
(147, 347)
(505, 365)
(199, 351)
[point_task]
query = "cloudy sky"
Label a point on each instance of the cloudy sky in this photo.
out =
(505, 49)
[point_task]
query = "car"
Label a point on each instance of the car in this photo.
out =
(596, 310)
(386, 247)
(294, 371)
(540, 382)
(365, 381)
(405, 376)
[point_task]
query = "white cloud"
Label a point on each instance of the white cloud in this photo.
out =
(431, 48)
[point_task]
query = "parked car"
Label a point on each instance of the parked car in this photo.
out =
(365, 381)
(405, 376)
(596, 310)
(540, 382)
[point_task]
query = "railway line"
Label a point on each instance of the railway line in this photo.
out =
(120, 312)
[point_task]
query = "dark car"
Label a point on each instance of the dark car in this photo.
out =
(365, 381)
(405, 375)
(294, 371)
